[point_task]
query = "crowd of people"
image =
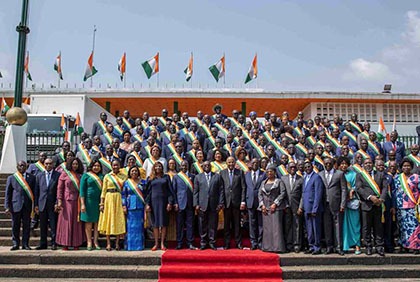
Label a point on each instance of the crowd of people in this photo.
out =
(291, 185)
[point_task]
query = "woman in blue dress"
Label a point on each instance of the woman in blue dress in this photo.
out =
(351, 221)
(407, 194)
(133, 201)
(159, 201)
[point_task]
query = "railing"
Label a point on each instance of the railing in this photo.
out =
(42, 142)
(408, 141)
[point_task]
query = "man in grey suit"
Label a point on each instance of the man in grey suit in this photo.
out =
(234, 189)
(335, 198)
(372, 188)
(293, 219)
(19, 203)
(208, 200)
(253, 180)
(88, 154)
(45, 198)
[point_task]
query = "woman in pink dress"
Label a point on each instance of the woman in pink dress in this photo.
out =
(69, 228)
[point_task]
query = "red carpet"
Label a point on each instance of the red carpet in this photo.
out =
(220, 265)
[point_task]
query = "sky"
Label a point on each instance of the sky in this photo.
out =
(302, 45)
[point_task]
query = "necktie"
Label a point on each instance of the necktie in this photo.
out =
(328, 177)
(394, 146)
(254, 178)
(208, 179)
(48, 178)
(230, 177)
(307, 179)
(292, 182)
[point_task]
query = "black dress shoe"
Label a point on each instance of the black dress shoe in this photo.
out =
(213, 247)
(41, 248)
(54, 247)
(239, 246)
(191, 247)
(309, 251)
(14, 248)
(341, 253)
(318, 252)
(296, 249)
(226, 247)
(26, 248)
(381, 252)
(203, 247)
(329, 251)
(178, 247)
(254, 247)
(369, 251)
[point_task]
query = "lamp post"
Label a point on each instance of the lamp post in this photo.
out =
(23, 30)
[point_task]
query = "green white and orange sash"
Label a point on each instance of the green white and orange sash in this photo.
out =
(25, 186)
(221, 128)
(355, 126)
(242, 165)
(320, 142)
(282, 169)
(118, 129)
(40, 166)
(327, 154)
(333, 140)
(63, 165)
(162, 120)
(302, 148)
(96, 148)
(74, 179)
(134, 187)
(212, 140)
(147, 148)
(315, 168)
(108, 137)
(311, 140)
(154, 128)
(104, 161)
(139, 161)
(319, 160)
(219, 166)
(115, 154)
(364, 154)
(290, 136)
(86, 157)
(192, 154)
(299, 173)
(167, 135)
(365, 135)
(102, 126)
(369, 179)
(127, 123)
(350, 135)
(257, 148)
(298, 131)
(191, 135)
(184, 177)
(374, 148)
(175, 154)
(415, 159)
(228, 148)
(334, 126)
(198, 167)
(152, 160)
(206, 130)
(406, 188)
(115, 180)
(80, 146)
(61, 155)
(137, 137)
(96, 180)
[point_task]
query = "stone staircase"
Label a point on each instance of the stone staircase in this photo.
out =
(144, 266)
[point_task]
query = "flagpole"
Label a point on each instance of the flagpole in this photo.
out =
(93, 51)
(157, 80)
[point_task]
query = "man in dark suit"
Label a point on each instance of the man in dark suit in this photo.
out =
(253, 180)
(45, 198)
(120, 152)
(313, 190)
(372, 189)
(335, 198)
(87, 154)
(293, 221)
(60, 155)
(183, 185)
(97, 128)
(19, 203)
(107, 159)
(234, 188)
(208, 201)
(396, 146)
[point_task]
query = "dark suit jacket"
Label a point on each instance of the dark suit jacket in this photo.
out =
(208, 197)
(46, 194)
(400, 152)
(16, 197)
(97, 130)
(335, 193)
(364, 190)
(183, 194)
(312, 195)
(294, 196)
(235, 192)
(252, 190)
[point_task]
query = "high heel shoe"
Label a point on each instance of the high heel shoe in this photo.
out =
(154, 248)
(163, 248)
(97, 247)
(108, 248)
(89, 248)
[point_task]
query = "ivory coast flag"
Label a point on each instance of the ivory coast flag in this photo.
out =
(78, 125)
(57, 66)
(90, 68)
(28, 74)
(4, 106)
(189, 69)
(151, 66)
(253, 70)
(218, 69)
(121, 66)
(381, 133)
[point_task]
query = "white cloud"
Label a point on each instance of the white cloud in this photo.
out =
(413, 27)
(362, 69)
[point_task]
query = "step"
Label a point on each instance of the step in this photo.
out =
(7, 241)
(5, 222)
(350, 271)
(80, 271)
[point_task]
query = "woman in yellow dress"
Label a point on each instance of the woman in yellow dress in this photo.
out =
(112, 220)
(217, 165)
